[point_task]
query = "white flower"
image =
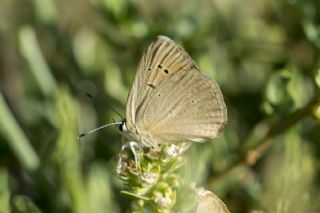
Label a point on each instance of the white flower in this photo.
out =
(172, 150)
(149, 177)
(163, 202)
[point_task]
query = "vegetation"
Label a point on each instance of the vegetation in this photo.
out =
(264, 54)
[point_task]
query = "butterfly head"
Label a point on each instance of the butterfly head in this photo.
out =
(122, 126)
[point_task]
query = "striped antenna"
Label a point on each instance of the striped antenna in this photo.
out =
(101, 127)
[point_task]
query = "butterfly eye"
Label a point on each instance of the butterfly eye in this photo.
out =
(120, 127)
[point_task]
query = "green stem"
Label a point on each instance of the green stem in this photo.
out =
(254, 153)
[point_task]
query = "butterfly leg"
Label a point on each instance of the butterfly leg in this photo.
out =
(135, 151)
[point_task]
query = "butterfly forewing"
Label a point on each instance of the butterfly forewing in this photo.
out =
(162, 58)
(171, 100)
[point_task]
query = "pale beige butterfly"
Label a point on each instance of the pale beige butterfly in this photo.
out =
(210, 203)
(170, 100)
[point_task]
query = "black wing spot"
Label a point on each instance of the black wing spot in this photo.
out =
(166, 71)
(159, 66)
(159, 95)
(152, 86)
(149, 68)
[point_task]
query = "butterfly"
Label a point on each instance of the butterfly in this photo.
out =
(171, 100)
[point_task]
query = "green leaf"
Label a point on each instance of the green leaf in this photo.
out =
(16, 138)
(23, 204)
(4, 191)
(317, 78)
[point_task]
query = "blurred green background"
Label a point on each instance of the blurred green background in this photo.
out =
(264, 54)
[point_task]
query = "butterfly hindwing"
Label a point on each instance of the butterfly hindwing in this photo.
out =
(187, 106)
(209, 202)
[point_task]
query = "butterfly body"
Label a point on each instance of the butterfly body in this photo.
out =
(170, 100)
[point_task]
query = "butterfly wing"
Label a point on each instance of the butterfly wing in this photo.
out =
(162, 57)
(171, 100)
(187, 106)
(210, 203)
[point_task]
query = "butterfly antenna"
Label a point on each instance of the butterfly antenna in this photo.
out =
(97, 129)
(112, 109)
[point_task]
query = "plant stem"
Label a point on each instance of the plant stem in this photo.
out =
(253, 154)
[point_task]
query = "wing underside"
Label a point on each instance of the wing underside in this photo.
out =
(171, 100)
(187, 106)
